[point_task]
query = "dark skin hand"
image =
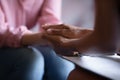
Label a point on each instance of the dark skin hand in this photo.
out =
(67, 31)
(65, 37)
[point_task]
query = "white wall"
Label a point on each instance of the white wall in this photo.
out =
(78, 12)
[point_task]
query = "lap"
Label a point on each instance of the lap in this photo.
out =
(56, 67)
(18, 54)
(20, 62)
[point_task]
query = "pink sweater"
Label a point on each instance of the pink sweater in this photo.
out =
(18, 16)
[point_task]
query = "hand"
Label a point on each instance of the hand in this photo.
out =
(62, 45)
(69, 37)
(60, 40)
(65, 36)
(67, 31)
(66, 46)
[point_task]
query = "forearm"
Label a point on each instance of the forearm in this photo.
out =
(31, 38)
(106, 21)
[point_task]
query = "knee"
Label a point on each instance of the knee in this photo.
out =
(32, 63)
(37, 65)
(30, 55)
(64, 69)
(57, 67)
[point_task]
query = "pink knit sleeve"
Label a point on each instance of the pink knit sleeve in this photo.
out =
(51, 12)
(10, 36)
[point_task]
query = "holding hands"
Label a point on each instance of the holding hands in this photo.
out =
(66, 38)
(65, 35)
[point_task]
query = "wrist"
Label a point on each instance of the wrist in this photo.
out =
(30, 38)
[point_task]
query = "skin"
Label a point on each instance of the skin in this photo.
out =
(32, 38)
(104, 38)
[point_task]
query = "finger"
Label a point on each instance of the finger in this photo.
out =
(57, 40)
(61, 32)
(45, 26)
(61, 41)
(53, 31)
(58, 26)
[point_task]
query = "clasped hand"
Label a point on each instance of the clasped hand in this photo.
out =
(64, 35)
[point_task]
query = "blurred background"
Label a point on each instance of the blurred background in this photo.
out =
(78, 12)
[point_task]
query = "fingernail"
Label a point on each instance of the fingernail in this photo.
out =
(49, 31)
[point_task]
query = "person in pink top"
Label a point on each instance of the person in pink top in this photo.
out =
(17, 60)
(18, 16)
